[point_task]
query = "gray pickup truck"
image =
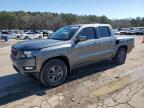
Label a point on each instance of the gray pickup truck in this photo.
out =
(51, 60)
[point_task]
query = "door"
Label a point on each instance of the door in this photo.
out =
(86, 51)
(106, 41)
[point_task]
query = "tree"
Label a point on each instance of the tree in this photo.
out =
(52, 21)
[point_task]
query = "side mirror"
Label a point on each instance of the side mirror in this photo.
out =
(81, 38)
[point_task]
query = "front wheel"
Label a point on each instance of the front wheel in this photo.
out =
(53, 73)
(120, 56)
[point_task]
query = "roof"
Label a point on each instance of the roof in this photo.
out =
(90, 25)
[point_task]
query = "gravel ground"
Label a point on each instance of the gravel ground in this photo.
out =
(100, 85)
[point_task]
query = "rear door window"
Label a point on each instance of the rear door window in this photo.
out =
(104, 31)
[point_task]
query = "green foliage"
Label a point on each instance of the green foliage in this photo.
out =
(52, 21)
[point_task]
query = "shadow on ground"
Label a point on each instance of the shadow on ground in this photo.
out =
(14, 87)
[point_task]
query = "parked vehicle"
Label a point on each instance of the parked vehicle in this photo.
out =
(129, 32)
(8, 35)
(19, 35)
(51, 60)
(116, 31)
(139, 32)
(31, 35)
(47, 33)
(140, 28)
(133, 31)
(124, 31)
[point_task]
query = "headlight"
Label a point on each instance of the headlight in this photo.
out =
(27, 54)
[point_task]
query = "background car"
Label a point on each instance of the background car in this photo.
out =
(31, 35)
(8, 35)
(139, 32)
(47, 33)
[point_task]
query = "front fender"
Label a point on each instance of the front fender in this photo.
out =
(52, 52)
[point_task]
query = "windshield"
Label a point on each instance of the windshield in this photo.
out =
(65, 33)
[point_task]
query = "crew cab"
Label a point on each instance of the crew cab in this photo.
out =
(51, 60)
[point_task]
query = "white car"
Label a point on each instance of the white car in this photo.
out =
(18, 35)
(31, 35)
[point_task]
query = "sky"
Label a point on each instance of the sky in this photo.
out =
(113, 9)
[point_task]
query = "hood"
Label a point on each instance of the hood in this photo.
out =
(36, 44)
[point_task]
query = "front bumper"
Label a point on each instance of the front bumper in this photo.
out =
(24, 65)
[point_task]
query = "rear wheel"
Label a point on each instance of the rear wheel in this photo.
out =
(26, 37)
(18, 37)
(53, 73)
(40, 37)
(120, 56)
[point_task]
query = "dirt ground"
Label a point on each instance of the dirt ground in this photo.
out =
(8, 43)
(99, 85)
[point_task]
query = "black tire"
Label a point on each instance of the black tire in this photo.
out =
(18, 37)
(120, 56)
(40, 37)
(53, 68)
(26, 37)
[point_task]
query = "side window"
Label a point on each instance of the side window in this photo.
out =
(89, 32)
(103, 31)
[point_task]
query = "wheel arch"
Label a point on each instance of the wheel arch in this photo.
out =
(63, 58)
(117, 49)
(123, 46)
(116, 57)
